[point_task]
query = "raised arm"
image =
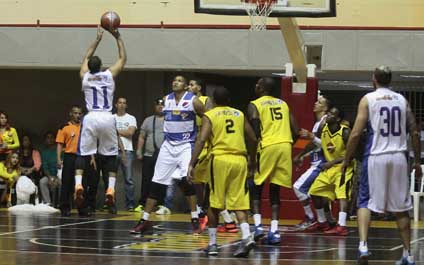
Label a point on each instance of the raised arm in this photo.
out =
(90, 52)
(120, 63)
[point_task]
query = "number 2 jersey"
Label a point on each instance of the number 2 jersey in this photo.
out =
(275, 121)
(98, 90)
(227, 130)
(386, 126)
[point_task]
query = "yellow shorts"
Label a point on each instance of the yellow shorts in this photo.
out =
(330, 185)
(228, 188)
(201, 171)
(275, 162)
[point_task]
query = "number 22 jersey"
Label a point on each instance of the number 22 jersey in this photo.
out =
(98, 90)
(386, 122)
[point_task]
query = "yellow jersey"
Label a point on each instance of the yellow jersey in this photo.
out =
(202, 99)
(274, 115)
(332, 144)
(227, 131)
(5, 175)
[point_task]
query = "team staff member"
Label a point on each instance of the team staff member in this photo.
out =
(67, 141)
(225, 128)
(275, 128)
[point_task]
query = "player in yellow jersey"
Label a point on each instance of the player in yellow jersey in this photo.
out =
(201, 170)
(275, 128)
(330, 183)
(225, 128)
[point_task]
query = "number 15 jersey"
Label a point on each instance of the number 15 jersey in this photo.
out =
(98, 90)
(386, 122)
(275, 121)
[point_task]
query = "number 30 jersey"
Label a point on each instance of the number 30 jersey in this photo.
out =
(98, 90)
(387, 130)
(275, 121)
(227, 131)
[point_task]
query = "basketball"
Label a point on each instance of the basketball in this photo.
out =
(110, 21)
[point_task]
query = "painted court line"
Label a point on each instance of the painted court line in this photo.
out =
(52, 227)
(412, 242)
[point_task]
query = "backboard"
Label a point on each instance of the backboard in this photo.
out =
(283, 8)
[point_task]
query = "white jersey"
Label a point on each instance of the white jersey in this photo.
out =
(387, 132)
(98, 90)
(317, 156)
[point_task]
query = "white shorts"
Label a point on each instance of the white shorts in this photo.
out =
(384, 184)
(172, 162)
(98, 126)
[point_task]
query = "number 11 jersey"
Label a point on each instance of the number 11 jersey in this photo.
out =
(98, 90)
(275, 121)
(387, 132)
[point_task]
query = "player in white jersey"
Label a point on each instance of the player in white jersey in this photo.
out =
(98, 129)
(304, 182)
(180, 129)
(384, 183)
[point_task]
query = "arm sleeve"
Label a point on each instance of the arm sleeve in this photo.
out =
(60, 138)
(133, 122)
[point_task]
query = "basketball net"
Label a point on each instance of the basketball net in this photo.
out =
(258, 11)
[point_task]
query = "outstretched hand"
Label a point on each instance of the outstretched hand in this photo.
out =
(115, 33)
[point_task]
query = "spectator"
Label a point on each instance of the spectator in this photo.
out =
(9, 140)
(9, 173)
(126, 125)
(50, 182)
(30, 161)
(149, 142)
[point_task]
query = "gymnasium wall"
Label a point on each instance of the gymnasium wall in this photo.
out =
(357, 13)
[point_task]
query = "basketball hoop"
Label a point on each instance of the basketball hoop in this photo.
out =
(258, 11)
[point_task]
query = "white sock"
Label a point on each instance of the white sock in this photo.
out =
(321, 215)
(342, 218)
(363, 247)
(274, 225)
(78, 180)
(245, 230)
(146, 216)
(406, 253)
(226, 215)
(308, 211)
(212, 236)
(195, 214)
(257, 219)
(112, 181)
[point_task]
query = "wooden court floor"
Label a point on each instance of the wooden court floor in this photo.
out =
(104, 239)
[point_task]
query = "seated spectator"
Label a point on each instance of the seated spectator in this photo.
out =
(50, 181)
(9, 173)
(30, 161)
(9, 140)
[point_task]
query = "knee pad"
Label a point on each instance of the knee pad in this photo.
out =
(157, 191)
(109, 163)
(256, 192)
(300, 195)
(274, 194)
(186, 187)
